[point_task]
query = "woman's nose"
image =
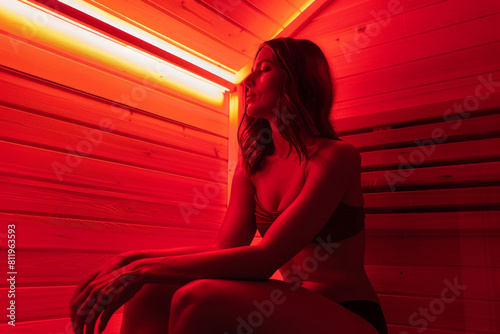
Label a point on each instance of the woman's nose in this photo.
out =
(248, 81)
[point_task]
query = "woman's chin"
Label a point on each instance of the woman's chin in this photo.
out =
(255, 112)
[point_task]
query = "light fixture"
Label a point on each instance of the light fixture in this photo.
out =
(153, 38)
(60, 32)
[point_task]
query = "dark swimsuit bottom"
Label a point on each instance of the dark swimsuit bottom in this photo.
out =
(345, 222)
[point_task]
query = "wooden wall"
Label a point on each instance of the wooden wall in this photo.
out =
(94, 162)
(418, 92)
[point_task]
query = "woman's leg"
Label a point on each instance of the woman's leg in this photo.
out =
(148, 311)
(258, 307)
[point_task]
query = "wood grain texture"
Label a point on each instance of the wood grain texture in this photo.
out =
(403, 83)
(73, 106)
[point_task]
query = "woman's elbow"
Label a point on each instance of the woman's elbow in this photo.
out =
(266, 264)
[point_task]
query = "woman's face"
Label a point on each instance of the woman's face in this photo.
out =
(264, 86)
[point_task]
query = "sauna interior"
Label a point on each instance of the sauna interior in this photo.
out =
(118, 123)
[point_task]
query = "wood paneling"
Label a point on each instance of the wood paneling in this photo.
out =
(418, 92)
(96, 161)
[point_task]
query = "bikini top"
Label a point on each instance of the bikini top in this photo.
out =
(345, 222)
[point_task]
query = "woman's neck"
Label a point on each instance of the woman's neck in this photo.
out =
(281, 145)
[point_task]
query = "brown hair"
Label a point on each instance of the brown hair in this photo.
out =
(304, 107)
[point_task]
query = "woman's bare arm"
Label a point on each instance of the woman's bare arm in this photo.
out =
(329, 176)
(237, 229)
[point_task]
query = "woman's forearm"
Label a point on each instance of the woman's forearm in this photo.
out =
(246, 263)
(174, 251)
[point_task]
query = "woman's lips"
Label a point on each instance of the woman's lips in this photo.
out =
(249, 98)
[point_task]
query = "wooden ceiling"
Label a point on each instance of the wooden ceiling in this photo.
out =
(225, 33)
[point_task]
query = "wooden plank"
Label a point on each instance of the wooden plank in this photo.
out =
(30, 197)
(353, 13)
(394, 329)
(52, 134)
(209, 34)
(60, 234)
(76, 107)
(356, 59)
(436, 198)
(429, 94)
(244, 15)
(423, 112)
(468, 151)
(455, 128)
(464, 174)
(344, 35)
(473, 61)
(431, 250)
(460, 315)
(280, 11)
(424, 281)
(146, 91)
(57, 326)
(57, 268)
(438, 223)
(74, 169)
(29, 301)
(408, 19)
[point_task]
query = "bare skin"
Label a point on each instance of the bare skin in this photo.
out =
(336, 277)
(226, 288)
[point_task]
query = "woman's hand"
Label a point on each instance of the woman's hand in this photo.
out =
(103, 296)
(115, 263)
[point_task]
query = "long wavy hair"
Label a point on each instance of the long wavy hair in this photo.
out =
(303, 109)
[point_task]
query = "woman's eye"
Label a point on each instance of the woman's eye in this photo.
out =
(265, 69)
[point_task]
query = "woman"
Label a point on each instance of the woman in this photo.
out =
(300, 186)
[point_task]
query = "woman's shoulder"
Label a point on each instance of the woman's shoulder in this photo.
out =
(331, 149)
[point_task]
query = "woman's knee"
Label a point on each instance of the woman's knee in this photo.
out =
(152, 296)
(196, 293)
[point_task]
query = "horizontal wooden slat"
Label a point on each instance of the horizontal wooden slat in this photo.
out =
(195, 28)
(353, 13)
(426, 281)
(472, 150)
(432, 250)
(39, 303)
(435, 223)
(429, 94)
(49, 199)
(76, 107)
(440, 111)
(246, 16)
(280, 15)
(57, 268)
(75, 170)
(453, 129)
(355, 59)
(436, 198)
(19, 126)
(471, 316)
(57, 326)
(350, 16)
(103, 81)
(435, 176)
(395, 329)
(38, 233)
(480, 59)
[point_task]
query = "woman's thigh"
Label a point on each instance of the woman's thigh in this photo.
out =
(259, 307)
(148, 310)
